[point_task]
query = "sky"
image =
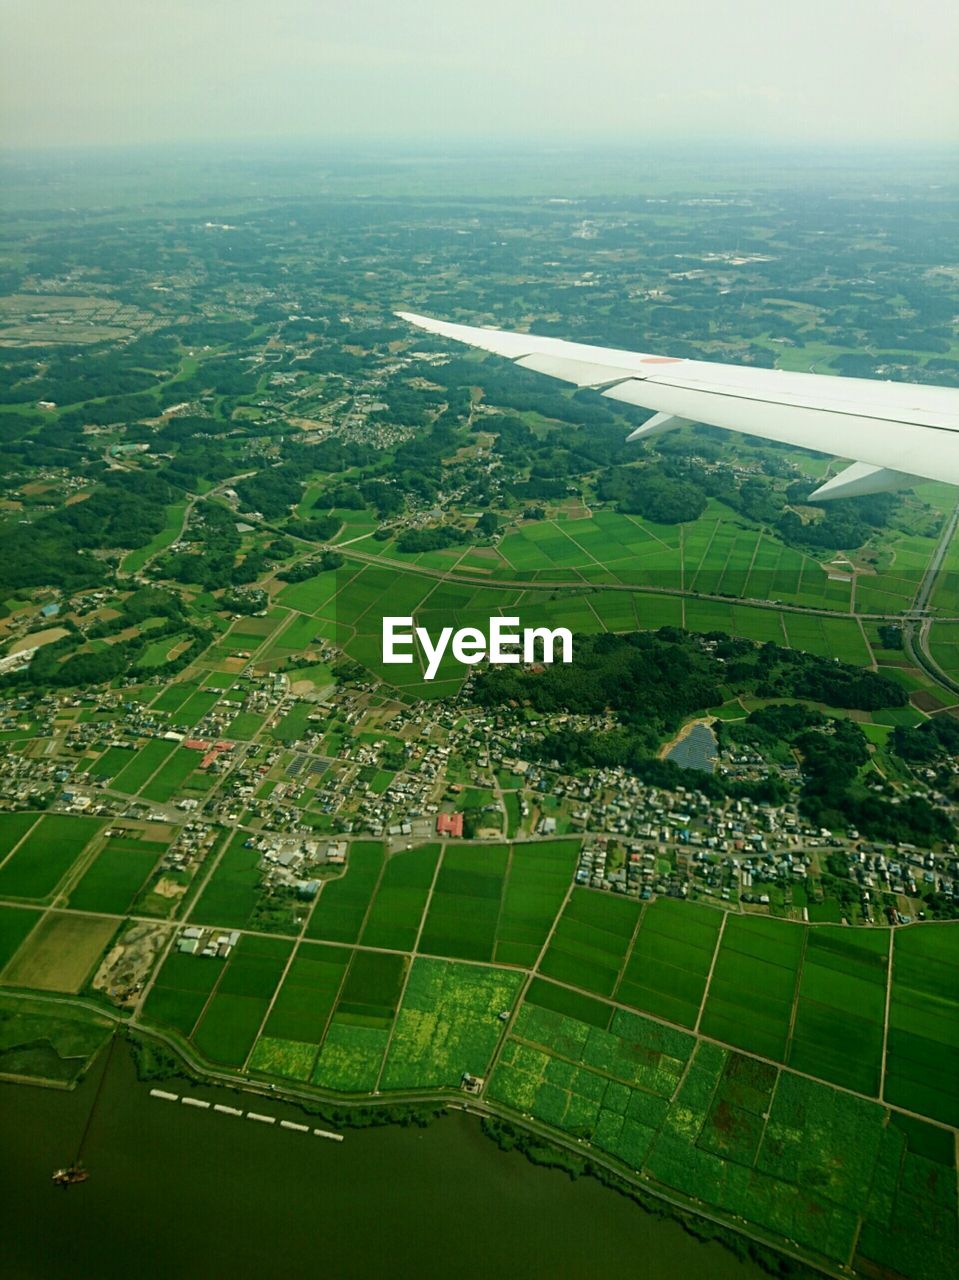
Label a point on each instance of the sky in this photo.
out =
(130, 72)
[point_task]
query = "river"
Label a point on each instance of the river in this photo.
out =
(175, 1192)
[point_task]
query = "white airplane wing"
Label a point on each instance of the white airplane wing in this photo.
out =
(898, 432)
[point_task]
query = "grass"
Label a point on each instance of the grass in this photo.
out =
(50, 1045)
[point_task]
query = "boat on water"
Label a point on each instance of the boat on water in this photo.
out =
(70, 1175)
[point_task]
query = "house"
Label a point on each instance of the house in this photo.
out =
(449, 824)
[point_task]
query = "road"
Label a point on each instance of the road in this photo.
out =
(916, 631)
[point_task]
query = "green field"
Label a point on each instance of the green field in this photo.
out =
(539, 875)
(145, 762)
(115, 877)
(753, 987)
(343, 902)
(840, 1010)
(465, 906)
(667, 968)
(231, 1020)
(591, 941)
(397, 908)
(15, 924)
(922, 1057)
(231, 894)
(308, 994)
(43, 857)
(13, 827)
(796, 1161)
(47, 1044)
(171, 775)
(448, 1024)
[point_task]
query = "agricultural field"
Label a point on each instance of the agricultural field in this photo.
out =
(15, 924)
(351, 1056)
(448, 1024)
(13, 827)
(749, 1056)
(344, 901)
(43, 857)
(670, 960)
(922, 1054)
(169, 778)
(796, 1161)
(144, 763)
(465, 907)
(591, 940)
(538, 878)
(309, 992)
(230, 896)
(231, 1020)
(116, 876)
(397, 908)
(837, 1034)
(60, 952)
(360, 603)
(753, 987)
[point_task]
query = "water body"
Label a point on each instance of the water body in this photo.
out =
(697, 750)
(177, 1192)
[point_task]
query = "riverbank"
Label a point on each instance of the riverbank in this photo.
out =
(181, 1191)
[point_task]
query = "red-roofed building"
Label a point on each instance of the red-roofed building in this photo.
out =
(449, 824)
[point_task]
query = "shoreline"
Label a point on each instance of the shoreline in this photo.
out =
(155, 1059)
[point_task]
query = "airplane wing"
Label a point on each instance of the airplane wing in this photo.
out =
(897, 432)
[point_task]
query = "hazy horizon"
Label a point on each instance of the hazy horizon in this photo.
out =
(836, 72)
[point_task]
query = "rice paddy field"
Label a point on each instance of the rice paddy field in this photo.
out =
(795, 1161)
(115, 878)
(922, 1055)
(60, 953)
(349, 605)
(798, 1079)
(41, 852)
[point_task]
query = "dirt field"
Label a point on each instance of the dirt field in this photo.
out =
(60, 953)
(36, 639)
